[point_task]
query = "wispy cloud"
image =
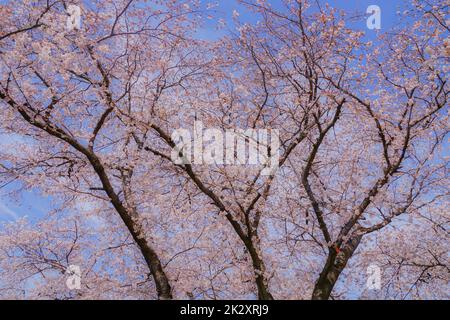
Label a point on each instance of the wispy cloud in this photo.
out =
(4, 210)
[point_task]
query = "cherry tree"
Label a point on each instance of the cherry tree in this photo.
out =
(362, 177)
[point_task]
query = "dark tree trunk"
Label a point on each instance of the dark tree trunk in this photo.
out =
(334, 265)
(135, 228)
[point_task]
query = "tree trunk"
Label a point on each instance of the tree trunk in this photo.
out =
(335, 264)
(154, 264)
(135, 228)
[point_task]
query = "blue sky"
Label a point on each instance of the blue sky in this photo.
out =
(389, 16)
(30, 203)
